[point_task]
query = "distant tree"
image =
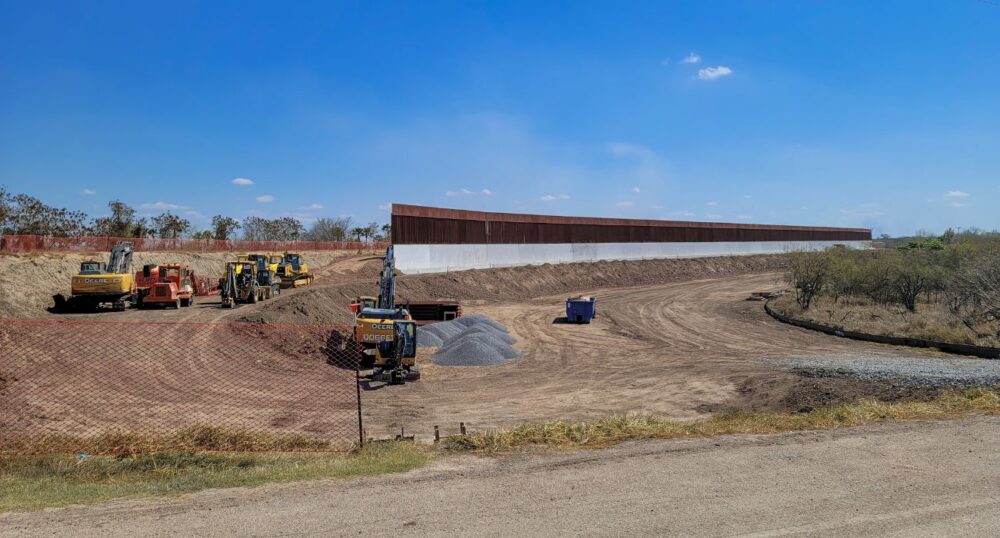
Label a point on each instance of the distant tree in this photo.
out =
(170, 226)
(223, 227)
(357, 232)
(5, 207)
(280, 229)
(203, 234)
(27, 215)
(327, 229)
(371, 231)
(287, 229)
(121, 223)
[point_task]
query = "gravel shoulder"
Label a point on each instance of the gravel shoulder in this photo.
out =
(903, 479)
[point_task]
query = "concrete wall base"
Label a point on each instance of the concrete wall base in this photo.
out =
(413, 259)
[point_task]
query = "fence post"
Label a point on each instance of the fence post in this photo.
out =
(357, 386)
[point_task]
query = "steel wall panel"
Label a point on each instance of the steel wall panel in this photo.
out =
(427, 225)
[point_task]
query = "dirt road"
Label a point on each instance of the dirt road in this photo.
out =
(910, 479)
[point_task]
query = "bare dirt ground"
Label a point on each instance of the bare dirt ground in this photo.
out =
(673, 337)
(904, 479)
(680, 350)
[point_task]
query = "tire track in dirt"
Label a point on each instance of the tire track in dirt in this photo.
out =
(672, 349)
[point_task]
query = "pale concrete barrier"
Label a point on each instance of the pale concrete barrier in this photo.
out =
(413, 259)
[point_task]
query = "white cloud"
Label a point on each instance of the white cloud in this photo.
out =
(458, 192)
(958, 204)
(625, 203)
(385, 207)
(162, 205)
(691, 59)
(745, 217)
(682, 214)
(635, 190)
(487, 192)
(712, 73)
(713, 216)
(747, 196)
(88, 192)
(553, 197)
(712, 204)
(242, 181)
(314, 206)
(265, 198)
(656, 206)
(956, 194)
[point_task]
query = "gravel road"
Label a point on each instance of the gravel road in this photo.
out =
(937, 371)
(907, 479)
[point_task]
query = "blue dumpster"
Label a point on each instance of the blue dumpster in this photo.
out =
(581, 309)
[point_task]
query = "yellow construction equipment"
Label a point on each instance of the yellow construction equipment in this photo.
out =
(386, 333)
(100, 283)
(294, 271)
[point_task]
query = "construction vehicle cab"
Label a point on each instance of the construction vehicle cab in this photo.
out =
(171, 284)
(99, 283)
(363, 302)
(394, 357)
(267, 274)
(92, 267)
(294, 271)
(241, 284)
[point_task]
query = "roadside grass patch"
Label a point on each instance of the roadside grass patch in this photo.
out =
(34, 482)
(617, 429)
(119, 442)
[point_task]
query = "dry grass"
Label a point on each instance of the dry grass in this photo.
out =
(34, 482)
(193, 438)
(931, 321)
(617, 429)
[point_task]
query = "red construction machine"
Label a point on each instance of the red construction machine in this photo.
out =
(171, 284)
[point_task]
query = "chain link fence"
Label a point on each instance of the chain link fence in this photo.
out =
(83, 386)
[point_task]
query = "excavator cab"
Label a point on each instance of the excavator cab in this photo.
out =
(93, 267)
(395, 357)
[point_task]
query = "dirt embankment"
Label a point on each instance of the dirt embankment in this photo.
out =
(327, 303)
(28, 281)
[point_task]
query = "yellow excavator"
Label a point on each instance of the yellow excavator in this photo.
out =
(387, 333)
(100, 283)
(294, 271)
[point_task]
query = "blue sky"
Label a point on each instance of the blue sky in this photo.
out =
(877, 114)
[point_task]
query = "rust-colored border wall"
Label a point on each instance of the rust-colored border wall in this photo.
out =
(419, 225)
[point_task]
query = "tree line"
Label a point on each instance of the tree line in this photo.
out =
(959, 270)
(21, 214)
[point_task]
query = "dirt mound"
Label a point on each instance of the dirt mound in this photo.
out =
(517, 283)
(328, 304)
(801, 393)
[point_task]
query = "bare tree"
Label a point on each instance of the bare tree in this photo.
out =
(170, 226)
(223, 227)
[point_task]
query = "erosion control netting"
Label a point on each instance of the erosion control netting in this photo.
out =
(107, 387)
(468, 341)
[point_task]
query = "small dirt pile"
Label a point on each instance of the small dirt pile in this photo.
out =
(468, 341)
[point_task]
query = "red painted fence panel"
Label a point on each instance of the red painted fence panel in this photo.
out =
(40, 243)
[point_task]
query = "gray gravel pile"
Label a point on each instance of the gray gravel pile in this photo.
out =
(468, 341)
(960, 372)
